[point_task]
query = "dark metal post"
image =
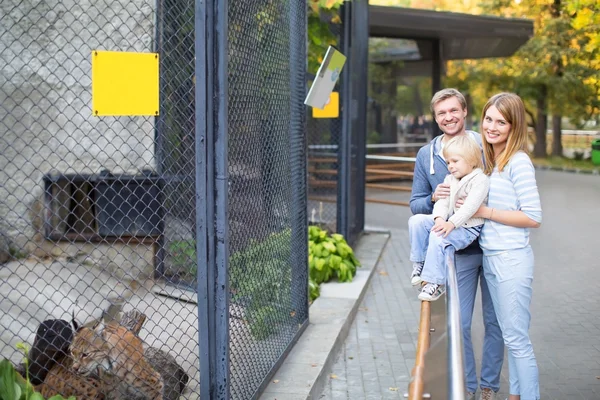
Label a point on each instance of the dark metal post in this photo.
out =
(298, 151)
(436, 75)
(361, 51)
(345, 147)
(211, 197)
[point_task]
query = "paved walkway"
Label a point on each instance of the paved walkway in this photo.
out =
(379, 352)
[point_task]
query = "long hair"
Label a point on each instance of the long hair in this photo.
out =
(513, 110)
(466, 147)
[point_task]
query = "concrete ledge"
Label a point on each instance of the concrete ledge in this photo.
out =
(304, 372)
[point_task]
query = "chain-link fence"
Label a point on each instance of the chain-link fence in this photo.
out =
(268, 273)
(99, 216)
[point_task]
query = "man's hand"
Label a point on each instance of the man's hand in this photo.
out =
(441, 191)
(442, 227)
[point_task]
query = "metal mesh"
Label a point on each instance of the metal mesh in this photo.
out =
(96, 213)
(267, 198)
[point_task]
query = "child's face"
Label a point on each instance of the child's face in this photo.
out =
(458, 167)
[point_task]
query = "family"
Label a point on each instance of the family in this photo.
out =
(475, 198)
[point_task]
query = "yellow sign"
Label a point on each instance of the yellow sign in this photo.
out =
(331, 109)
(124, 83)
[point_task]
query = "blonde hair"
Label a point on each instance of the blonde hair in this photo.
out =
(466, 147)
(446, 94)
(512, 109)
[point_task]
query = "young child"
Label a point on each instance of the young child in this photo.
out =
(448, 226)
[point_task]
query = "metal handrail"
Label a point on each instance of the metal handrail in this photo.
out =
(448, 344)
(416, 386)
(369, 146)
(456, 363)
(390, 158)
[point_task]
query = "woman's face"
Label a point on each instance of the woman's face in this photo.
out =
(495, 128)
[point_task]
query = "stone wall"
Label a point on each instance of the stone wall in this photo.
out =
(46, 123)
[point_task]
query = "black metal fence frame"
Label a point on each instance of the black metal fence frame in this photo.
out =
(211, 145)
(352, 144)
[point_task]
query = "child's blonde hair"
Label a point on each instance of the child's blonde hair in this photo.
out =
(466, 147)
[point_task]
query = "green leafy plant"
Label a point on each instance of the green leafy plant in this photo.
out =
(183, 256)
(260, 278)
(314, 289)
(14, 387)
(330, 256)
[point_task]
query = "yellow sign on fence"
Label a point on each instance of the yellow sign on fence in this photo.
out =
(331, 109)
(124, 83)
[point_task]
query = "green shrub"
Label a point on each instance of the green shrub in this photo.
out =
(14, 387)
(329, 256)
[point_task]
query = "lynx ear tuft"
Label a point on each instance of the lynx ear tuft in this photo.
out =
(99, 326)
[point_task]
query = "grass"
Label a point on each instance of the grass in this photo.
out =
(561, 162)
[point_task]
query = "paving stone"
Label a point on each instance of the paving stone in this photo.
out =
(565, 313)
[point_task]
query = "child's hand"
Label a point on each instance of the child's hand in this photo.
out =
(443, 228)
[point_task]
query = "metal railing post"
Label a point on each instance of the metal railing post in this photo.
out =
(456, 365)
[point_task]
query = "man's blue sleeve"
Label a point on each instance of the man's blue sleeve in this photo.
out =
(420, 198)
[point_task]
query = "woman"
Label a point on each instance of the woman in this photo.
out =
(513, 208)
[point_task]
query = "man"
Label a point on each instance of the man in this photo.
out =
(449, 109)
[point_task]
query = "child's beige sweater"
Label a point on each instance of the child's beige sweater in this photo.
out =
(473, 189)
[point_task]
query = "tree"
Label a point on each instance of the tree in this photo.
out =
(323, 22)
(550, 72)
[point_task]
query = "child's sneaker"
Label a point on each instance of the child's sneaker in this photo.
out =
(432, 292)
(415, 277)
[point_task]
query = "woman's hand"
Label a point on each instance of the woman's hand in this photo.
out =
(483, 212)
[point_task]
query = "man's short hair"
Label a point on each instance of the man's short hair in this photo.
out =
(446, 94)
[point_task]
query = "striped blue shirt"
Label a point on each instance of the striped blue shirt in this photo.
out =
(512, 189)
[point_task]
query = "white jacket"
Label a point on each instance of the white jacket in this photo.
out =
(473, 188)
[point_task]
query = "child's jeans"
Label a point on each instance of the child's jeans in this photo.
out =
(427, 246)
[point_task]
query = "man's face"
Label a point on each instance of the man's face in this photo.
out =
(450, 116)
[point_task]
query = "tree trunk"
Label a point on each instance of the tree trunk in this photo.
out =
(557, 149)
(470, 112)
(390, 121)
(559, 72)
(541, 127)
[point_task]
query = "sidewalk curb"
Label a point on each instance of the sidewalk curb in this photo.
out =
(304, 373)
(569, 170)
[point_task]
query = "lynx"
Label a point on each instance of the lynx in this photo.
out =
(62, 380)
(115, 355)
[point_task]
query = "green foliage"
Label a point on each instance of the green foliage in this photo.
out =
(322, 16)
(260, 278)
(373, 137)
(14, 387)
(16, 253)
(314, 289)
(183, 255)
(562, 59)
(329, 256)
(566, 163)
